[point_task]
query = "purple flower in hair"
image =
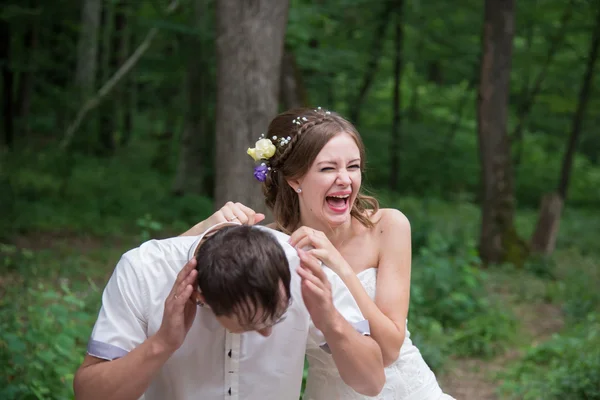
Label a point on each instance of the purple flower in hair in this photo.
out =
(260, 172)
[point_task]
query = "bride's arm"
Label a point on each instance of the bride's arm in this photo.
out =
(387, 314)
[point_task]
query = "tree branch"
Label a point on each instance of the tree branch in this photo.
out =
(109, 85)
(527, 103)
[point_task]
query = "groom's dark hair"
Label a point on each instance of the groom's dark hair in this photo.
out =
(243, 270)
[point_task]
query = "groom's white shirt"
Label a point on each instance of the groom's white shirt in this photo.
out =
(212, 363)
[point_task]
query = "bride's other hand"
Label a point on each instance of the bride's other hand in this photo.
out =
(235, 212)
(321, 248)
(232, 212)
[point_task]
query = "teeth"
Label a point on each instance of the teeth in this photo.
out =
(341, 197)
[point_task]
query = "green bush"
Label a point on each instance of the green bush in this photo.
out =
(451, 311)
(565, 367)
(43, 334)
(44, 324)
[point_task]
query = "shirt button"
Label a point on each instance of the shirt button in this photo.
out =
(229, 354)
(229, 391)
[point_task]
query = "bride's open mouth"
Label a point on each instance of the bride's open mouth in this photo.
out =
(338, 203)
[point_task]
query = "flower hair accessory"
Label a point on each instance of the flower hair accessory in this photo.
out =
(263, 150)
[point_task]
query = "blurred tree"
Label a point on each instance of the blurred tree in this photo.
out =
(292, 92)
(120, 105)
(543, 240)
(398, 12)
(108, 59)
(87, 49)
(375, 50)
(26, 77)
(498, 241)
(190, 170)
(7, 83)
(110, 84)
(529, 94)
(250, 37)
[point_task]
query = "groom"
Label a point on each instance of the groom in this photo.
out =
(232, 324)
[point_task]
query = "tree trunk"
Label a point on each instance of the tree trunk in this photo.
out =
(129, 85)
(250, 37)
(374, 56)
(544, 238)
(397, 105)
(107, 61)
(584, 96)
(292, 92)
(498, 239)
(190, 171)
(26, 80)
(87, 49)
(7, 84)
(118, 57)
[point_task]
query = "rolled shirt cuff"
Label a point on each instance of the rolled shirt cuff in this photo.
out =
(105, 351)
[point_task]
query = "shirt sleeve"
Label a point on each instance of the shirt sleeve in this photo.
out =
(121, 325)
(346, 305)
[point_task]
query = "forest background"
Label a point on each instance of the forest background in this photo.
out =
(129, 120)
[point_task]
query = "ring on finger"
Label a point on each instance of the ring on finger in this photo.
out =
(232, 218)
(176, 297)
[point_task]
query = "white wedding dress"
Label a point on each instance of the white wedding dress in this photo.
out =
(408, 378)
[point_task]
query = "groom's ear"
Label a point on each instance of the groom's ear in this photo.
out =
(198, 298)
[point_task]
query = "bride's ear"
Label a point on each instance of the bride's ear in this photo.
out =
(294, 184)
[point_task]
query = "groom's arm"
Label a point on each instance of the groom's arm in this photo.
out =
(340, 329)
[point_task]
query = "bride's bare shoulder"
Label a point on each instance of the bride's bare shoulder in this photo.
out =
(389, 217)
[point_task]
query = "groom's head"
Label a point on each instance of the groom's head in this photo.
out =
(244, 277)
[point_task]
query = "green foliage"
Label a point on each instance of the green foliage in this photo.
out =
(125, 194)
(93, 196)
(451, 312)
(43, 330)
(567, 366)
(580, 279)
(37, 354)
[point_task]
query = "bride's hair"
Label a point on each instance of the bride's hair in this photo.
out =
(307, 131)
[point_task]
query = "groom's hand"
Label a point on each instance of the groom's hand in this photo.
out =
(316, 291)
(180, 309)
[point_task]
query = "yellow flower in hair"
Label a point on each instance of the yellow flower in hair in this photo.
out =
(264, 150)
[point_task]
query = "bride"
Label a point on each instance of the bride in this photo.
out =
(314, 161)
(310, 163)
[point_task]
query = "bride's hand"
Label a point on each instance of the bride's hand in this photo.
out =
(321, 248)
(229, 212)
(235, 212)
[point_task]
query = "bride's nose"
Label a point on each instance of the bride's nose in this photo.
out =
(343, 178)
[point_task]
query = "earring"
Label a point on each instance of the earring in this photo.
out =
(298, 190)
(199, 303)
